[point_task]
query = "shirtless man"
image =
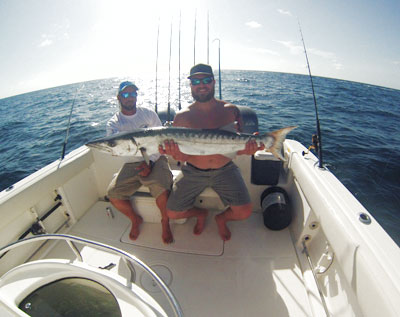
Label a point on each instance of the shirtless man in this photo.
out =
(216, 171)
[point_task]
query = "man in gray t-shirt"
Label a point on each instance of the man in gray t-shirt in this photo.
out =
(156, 176)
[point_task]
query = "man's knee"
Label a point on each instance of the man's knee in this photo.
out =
(173, 214)
(243, 211)
(163, 197)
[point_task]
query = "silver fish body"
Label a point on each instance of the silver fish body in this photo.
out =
(190, 141)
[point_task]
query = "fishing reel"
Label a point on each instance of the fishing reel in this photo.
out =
(314, 141)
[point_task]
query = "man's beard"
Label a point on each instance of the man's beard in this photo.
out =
(204, 98)
(128, 107)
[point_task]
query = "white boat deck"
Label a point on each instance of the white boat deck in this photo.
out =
(256, 273)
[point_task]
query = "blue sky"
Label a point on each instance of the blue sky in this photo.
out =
(47, 43)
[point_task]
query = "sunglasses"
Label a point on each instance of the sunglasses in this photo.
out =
(128, 94)
(197, 81)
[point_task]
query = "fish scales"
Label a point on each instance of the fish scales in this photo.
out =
(190, 141)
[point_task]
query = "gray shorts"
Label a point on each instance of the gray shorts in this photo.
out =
(226, 181)
(127, 181)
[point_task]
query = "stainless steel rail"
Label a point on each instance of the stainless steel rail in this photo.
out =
(127, 258)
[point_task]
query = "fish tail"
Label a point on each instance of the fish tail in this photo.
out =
(279, 136)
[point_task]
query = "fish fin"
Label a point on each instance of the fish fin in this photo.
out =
(137, 147)
(279, 136)
(145, 155)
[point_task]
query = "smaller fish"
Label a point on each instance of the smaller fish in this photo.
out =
(190, 141)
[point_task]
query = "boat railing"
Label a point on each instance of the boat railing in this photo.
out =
(126, 257)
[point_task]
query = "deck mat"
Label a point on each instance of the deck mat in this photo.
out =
(207, 243)
(113, 227)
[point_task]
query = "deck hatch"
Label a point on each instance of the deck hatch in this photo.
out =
(71, 297)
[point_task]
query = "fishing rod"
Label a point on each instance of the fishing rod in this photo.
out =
(169, 77)
(208, 39)
(158, 35)
(194, 41)
(316, 139)
(219, 67)
(179, 65)
(69, 123)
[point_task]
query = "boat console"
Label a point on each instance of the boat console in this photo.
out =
(64, 287)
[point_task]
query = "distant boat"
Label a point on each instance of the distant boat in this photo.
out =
(243, 80)
(309, 248)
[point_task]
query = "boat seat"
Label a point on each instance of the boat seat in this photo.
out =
(146, 206)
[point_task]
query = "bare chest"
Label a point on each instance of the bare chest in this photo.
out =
(212, 120)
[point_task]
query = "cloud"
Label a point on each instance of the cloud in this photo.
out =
(253, 24)
(265, 51)
(45, 41)
(288, 13)
(57, 33)
(294, 48)
(299, 49)
(324, 54)
(329, 56)
(338, 65)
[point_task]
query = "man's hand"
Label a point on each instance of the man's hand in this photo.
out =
(171, 148)
(251, 148)
(144, 169)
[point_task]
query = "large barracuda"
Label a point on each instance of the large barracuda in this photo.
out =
(190, 141)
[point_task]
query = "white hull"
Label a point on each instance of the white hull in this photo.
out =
(258, 272)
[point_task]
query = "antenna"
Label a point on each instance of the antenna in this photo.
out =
(317, 141)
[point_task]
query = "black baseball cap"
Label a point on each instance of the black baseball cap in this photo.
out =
(201, 69)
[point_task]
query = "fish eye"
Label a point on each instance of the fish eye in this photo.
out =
(111, 143)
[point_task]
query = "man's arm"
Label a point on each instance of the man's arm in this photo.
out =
(111, 128)
(251, 148)
(156, 122)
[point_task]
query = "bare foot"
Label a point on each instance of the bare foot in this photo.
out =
(166, 232)
(223, 230)
(201, 221)
(133, 235)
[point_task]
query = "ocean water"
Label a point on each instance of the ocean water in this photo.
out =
(359, 123)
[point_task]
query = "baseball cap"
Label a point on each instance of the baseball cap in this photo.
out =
(125, 84)
(201, 69)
